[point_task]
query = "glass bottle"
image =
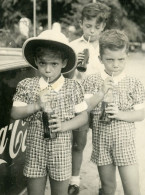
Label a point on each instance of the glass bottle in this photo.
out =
(46, 116)
(107, 99)
(82, 66)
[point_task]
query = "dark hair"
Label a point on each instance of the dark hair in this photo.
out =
(114, 40)
(53, 50)
(98, 10)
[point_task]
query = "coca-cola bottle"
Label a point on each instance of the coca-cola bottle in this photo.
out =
(46, 116)
(107, 99)
(82, 65)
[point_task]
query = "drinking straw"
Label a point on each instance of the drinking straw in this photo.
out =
(112, 75)
(88, 40)
(48, 80)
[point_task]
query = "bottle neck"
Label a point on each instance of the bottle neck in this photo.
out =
(48, 107)
(109, 96)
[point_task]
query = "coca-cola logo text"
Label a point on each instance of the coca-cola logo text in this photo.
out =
(16, 141)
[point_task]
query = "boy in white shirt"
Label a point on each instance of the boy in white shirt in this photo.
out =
(93, 22)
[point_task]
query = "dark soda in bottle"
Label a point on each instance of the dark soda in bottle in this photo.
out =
(107, 99)
(82, 66)
(46, 116)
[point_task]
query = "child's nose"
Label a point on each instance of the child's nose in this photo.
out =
(115, 64)
(48, 68)
(92, 30)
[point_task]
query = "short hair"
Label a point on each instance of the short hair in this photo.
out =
(52, 50)
(98, 10)
(114, 40)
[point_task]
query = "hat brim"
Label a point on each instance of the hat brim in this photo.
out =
(30, 45)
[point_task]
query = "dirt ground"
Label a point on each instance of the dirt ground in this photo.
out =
(89, 174)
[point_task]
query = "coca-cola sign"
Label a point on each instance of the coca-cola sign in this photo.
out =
(12, 140)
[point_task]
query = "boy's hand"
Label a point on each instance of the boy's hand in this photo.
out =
(80, 57)
(113, 111)
(55, 124)
(108, 84)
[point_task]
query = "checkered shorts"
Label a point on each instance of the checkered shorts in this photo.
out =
(52, 157)
(114, 143)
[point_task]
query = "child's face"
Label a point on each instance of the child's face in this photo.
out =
(114, 61)
(91, 29)
(50, 65)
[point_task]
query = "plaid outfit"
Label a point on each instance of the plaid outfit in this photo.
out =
(44, 155)
(115, 142)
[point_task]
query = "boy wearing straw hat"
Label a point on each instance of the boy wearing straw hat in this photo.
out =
(51, 55)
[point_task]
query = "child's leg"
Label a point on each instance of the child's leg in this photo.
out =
(107, 175)
(130, 179)
(36, 186)
(79, 143)
(59, 187)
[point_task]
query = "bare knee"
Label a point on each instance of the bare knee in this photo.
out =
(108, 188)
(79, 147)
(36, 186)
(59, 187)
(79, 140)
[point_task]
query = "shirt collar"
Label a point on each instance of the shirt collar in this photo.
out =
(56, 86)
(83, 39)
(116, 79)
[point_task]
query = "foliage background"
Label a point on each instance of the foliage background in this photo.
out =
(125, 14)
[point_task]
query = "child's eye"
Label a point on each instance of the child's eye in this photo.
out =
(41, 64)
(121, 59)
(110, 60)
(88, 26)
(97, 27)
(54, 64)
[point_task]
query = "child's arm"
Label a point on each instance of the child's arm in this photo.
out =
(138, 99)
(73, 124)
(81, 115)
(20, 112)
(129, 116)
(98, 97)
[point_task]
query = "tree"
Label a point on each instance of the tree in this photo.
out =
(126, 14)
(135, 10)
(119, 18)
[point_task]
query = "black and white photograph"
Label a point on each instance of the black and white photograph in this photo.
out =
(72, 97)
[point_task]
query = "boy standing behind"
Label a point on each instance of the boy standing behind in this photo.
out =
(93, 22)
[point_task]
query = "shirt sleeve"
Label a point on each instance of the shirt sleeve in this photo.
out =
(22, 97)
(80, 104)
(138, 96)
(21, 94)
(88, 87)
(19, 104)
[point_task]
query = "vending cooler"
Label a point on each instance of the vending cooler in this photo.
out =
(13, 133)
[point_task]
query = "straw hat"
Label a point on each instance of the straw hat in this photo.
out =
(46, 38)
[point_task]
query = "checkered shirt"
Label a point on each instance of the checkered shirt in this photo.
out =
(115, 143)
(52, 156)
